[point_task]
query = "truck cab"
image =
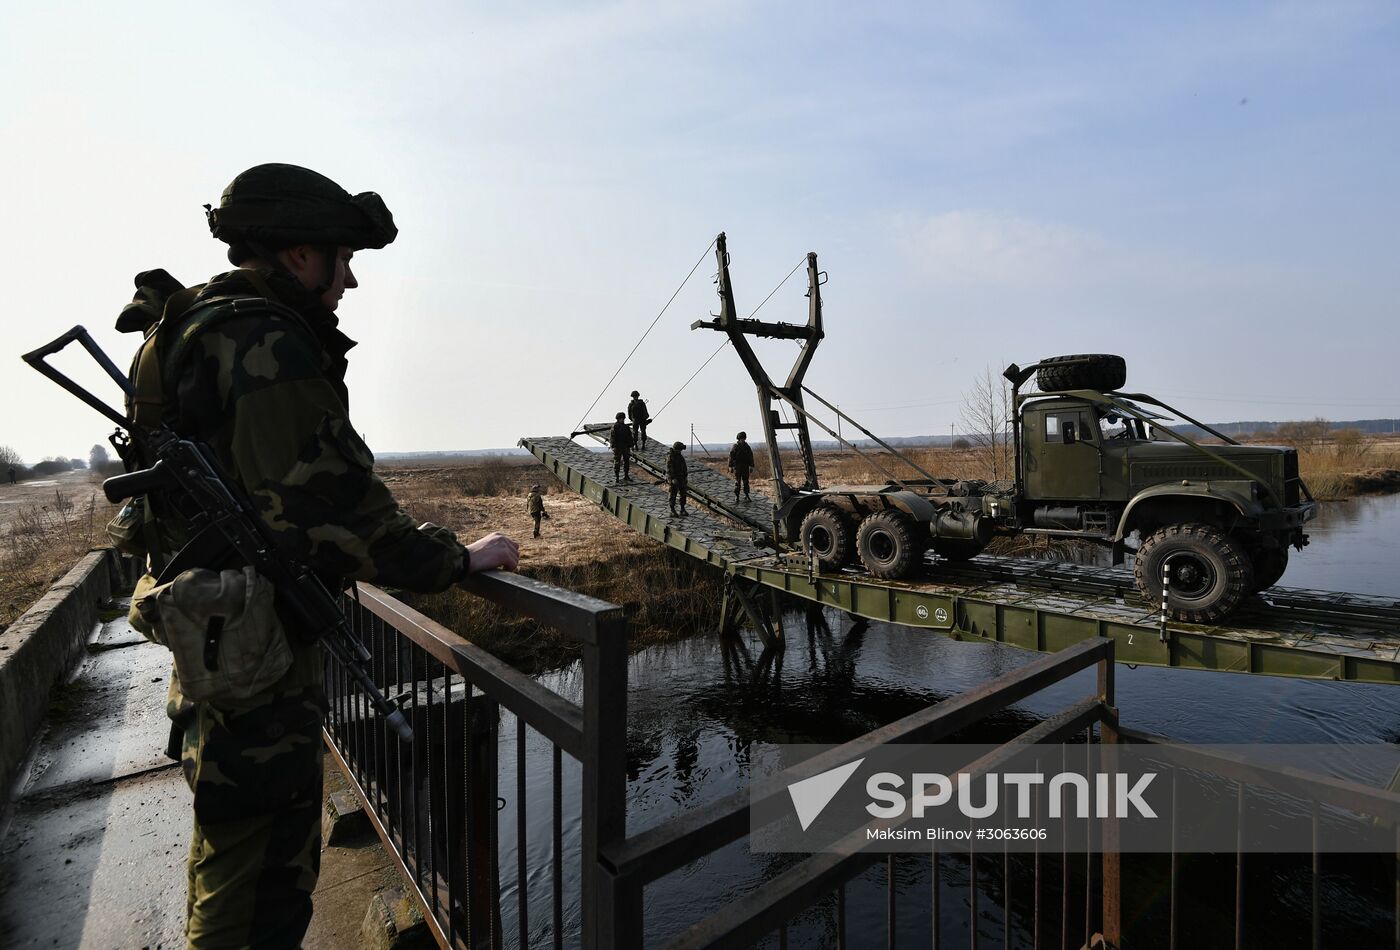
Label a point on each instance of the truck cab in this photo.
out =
(1211, 522)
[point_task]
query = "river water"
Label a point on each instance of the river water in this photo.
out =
(695, 706)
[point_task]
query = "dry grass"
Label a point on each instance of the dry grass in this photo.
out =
(665, 593)
(1344, 470)
(41, 539)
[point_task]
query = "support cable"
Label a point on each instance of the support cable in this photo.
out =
(658, 317)
(726, 342)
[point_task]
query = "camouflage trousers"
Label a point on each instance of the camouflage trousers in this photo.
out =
(678, 493)
(256, 848)
(622, 464)
(741, 480)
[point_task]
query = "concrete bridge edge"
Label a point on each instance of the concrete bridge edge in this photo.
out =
(41, 648)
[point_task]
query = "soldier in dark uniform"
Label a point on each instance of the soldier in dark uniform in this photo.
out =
(637, 412)
(12, 475)
(741, 463)
(620, 438)
(534, 504)
(677, 474)
(253, 364)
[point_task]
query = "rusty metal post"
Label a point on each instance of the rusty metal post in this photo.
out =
(480, 753)
(609, 919)
(1111, 924)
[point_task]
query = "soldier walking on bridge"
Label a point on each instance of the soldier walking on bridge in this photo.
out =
(740, 463)
(534, 504)
(678, 474)
(637, 412)
(620, 438)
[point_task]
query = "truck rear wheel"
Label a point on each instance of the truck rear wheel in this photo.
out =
(826, 535)
(1269, 565)
(889, 545)
(1210, 571)
(1101, 371)
(956, 549)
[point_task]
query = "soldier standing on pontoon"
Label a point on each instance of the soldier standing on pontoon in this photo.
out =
(620, 438)
(741, 463)
(637, 412)
(678, 474)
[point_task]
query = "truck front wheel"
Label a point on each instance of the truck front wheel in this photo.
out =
(1210, 572)
(888, 544)
(826, 535)
(1269, 565)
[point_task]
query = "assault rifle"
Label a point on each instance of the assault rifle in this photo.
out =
(223, 521)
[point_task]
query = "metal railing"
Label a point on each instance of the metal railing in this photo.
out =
(434, 801)
(435, 805)
(1330, 798)
(764, 914)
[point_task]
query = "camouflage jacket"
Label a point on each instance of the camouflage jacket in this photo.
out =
(620, 438)
(740, 457)
(266, 391)
(677, 471)
(637, 411)
(534, 504)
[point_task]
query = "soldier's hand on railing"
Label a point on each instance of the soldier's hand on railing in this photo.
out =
(493, 551)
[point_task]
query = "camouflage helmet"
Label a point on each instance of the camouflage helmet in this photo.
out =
(678, 446)
(635, 394)
(622, 415)
(276, 206)
(742, 436)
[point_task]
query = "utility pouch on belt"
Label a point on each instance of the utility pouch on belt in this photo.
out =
(128, 529)
(221, 628)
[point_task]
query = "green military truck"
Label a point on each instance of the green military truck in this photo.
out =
(1215, 519)
(1212, 520)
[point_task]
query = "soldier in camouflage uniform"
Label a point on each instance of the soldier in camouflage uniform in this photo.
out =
(534, 504)
(741, 463)
(677, 474)
(264, 387)
(638, 414)
(620, 438)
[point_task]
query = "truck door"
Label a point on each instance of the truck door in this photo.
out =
(1066, 464)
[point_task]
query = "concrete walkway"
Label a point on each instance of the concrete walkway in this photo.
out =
(93, 855)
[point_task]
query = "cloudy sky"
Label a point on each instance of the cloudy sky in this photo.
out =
(1211, 192)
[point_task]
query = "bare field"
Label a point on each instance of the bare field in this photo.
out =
(46, 525)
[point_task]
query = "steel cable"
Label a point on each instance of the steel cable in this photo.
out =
(658, 317)
(727, 341)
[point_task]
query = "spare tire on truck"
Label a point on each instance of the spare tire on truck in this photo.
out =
(1101, 371)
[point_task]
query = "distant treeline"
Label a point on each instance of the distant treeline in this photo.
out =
(98, 460)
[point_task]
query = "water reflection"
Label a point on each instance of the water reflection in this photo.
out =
(696, 706)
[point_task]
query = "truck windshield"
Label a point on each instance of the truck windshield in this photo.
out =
(1114, 425)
